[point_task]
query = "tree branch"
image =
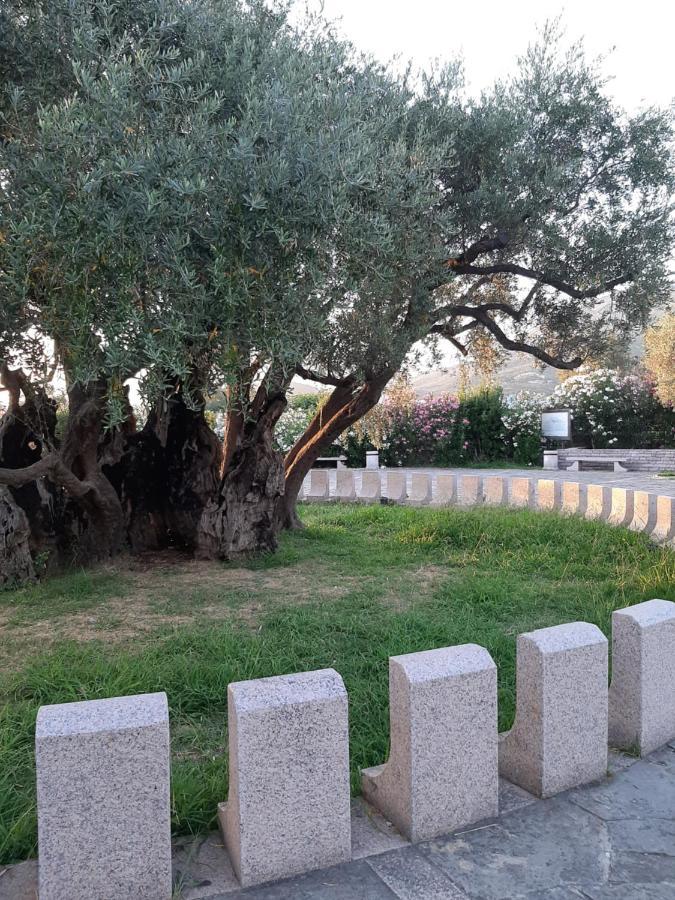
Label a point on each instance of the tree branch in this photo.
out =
(482, 316)
(52, 467)
(544, 278)
(331, 380)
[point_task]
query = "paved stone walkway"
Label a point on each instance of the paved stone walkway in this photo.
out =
(641, 481)
(614, 840)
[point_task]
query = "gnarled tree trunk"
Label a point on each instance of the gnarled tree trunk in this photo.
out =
(16, 562)
(169, 472)
(345, 406)
(27, 431)
(243, 517)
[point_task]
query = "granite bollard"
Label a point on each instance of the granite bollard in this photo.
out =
(495, 490)
(420, 489)
(598, 501)
(397, 489)
(559, 737)
(521, 492)
(642, 693)
(344, 485)
(621, 507)
(573, 498)
(442, 772)
(446, 490)
(664, 529)
(318, 485)
(644, 512)
(470, 490)
(548, 494)
(103, 797)
(288, 808)
(371, 486)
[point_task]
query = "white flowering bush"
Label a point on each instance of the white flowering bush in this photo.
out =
(521, 423)
(292, 423)
(610, 409)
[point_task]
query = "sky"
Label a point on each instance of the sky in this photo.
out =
(638, 39)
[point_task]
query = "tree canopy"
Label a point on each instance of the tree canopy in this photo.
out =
(203, 195)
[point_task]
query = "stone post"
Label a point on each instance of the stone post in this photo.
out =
(644, 512)
(372, 459)
(642, 694)
(446, 490)
(442, 772)
(344, 485)
(573, 496)
(521, 492)
(104, 826)
(559, 737)
(664, 530)
(495, 490)
(621, 507)
(420, 489)
(370, 487)
(598, 501)
(551, 459)
(318, 485)
(397, 490)
(548, 494)
(470, 490)
(288, 808)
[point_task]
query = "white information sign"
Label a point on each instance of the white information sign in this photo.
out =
(557, 424)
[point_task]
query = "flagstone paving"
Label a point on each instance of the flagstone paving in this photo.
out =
(614, 840)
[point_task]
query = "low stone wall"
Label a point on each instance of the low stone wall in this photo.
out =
(650, 513)
(636, 460)
(103, 766)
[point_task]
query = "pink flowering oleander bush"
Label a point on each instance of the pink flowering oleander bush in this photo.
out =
(610, 409)
(442, 431)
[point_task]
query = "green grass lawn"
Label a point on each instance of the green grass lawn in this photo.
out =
(356, 586)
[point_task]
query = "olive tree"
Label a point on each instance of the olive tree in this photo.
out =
(171, 215)
(553, 233)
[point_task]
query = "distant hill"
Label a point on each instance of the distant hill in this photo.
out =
(518, 374)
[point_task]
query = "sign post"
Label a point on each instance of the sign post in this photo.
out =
(556, 424)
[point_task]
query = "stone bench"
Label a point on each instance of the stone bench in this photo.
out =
(618, 465)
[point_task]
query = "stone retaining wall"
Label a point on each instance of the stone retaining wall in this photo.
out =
(650, 513)
(103, 765)
(637, 460)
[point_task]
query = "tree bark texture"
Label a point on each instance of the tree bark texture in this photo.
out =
(16, 562)
(243, 517)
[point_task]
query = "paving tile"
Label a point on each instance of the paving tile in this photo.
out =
(643, 835)
(630, 892)
(642, 868)
(371, 832)
(664, 757)
(348, 881)
(644, 790)
(513, 797)
(411, 877)
(202, 868)
(605, 892)
(547, 843)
